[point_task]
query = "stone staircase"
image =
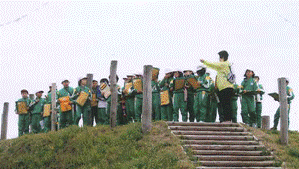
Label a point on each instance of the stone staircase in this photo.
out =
(223, 146)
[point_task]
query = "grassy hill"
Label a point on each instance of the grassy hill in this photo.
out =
(287, 154)
(96, 147)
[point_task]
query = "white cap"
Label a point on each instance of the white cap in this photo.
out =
(200, 67)
(185, 70)
(178, 70)
(167, 70)
(131, 74)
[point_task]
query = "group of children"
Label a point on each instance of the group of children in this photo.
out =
(194, 94)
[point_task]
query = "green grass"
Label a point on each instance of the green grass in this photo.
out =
(288, 154)
(96, 147)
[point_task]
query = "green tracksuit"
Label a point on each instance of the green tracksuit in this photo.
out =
(190, 101)
(138, 102)
(248, 112)
(94, 114)
(234, 103)
(66, 118)
(156, 101)
(179, 102)
(202, 99)
(85, 109)
(259, 98)
(290, 97)
(47, 120)
(23, 124)
(37, 112)
(129, 103)
(120, 118)
(166, 110)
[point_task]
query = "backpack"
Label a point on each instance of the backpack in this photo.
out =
(231, 77)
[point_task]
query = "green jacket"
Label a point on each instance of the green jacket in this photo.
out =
(236, 92)
(190, 89)
(155, 87)
(27, 100)
(248, 85)
(259, 96)
(65, 92)
(204, 81)
(80, 89)
(172, 85)
(290, 94)
(39, 106)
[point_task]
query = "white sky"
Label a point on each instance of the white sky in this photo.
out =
(66, 40)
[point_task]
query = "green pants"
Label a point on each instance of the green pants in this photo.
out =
(121, 117)
(212, 111)
(138, 108)
(277, 117)
(101, 117)
(165, 109)
(47, 124)
(23, 124)
(201, 106)
(234, 103)
(85, 110)
(94, 114)
(156, 102)
(36, 118)
(248, 109)
(259, 114)
(179, 104)
(130, 109)
(170, 110)
(190, 106)
(66, 119)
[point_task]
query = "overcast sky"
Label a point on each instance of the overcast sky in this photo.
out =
(43, 43)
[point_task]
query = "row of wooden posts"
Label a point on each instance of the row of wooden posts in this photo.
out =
(146, 116)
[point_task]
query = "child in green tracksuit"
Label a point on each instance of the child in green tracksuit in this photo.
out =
(129, 98)
(23, 124)
(85, 109)
(248, 86)
(179, 101)
(190, 95)
(37, 111)
(259, 98)
(166, 108)
(201, 97)
(138, 98)
(235, 102)
(47, 119)
(290, 97)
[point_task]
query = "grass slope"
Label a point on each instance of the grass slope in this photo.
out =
(287, 154)
(96, 147)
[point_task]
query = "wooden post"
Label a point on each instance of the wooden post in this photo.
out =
(53, 115)
(283, 111)
(146, 116)
(89, 80)
(266, 122)
(113, 88)
(4, 121)
(31, 97)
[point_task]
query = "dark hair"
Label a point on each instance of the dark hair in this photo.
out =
(256, 77)
(104, 80)
(116, 78)
(94, 81)
(223, 54)
(253, 75)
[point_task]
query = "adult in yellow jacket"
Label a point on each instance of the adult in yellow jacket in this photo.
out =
(222, 84)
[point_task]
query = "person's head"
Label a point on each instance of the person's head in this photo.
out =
(249, 73)
(50, 89)
(223, 56)
(104, 80)
(130, 77)
(126, 80)
(39, 94)
(82, 82)
(94, 84)
(65, 83)
(256, 78)
(287, 81)
(178, 73)
(201, 70)
(187, 72)
(24, 93)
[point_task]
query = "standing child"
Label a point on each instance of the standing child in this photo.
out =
(248, 102)
(22, 107)
(166, 101)
(37, 111)
(190, 95)
(259, 98)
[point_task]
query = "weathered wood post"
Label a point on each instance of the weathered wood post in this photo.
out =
(4, 121)
(283, 111)
(89, 80)
(113, 89)
(146, 116)
(266, 122)
(53, 101)
(31, 97)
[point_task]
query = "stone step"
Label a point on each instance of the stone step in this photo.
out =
(233, 158)
(238, 167)
(233, 153)
(219, 142)
(238, 163)
(209, 137)
(202, 124)
(226, 147)
(182, 132)
(198, 128)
